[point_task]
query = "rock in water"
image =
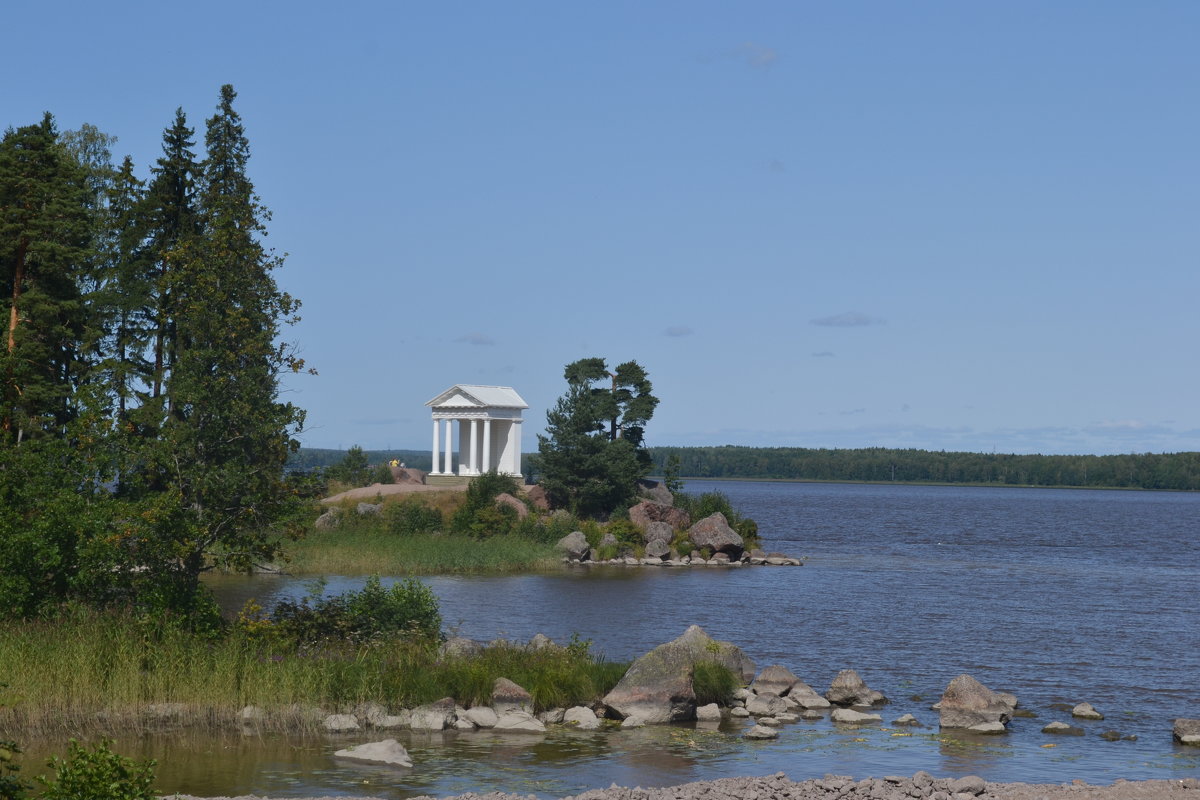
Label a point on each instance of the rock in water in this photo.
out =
(1086, 711)
(581, 717)
(389, 751)
(1186, 731)
(714, 533)
(848, 689)
(967, 702)
(848, 716)
(658, 686)
(775, 679)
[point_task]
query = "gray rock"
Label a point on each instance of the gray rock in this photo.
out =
(761, 732)
(329, 521)
(435, 716)
(1062, 728)
(658, 549)
(541, 641)
(848, 716)
(464, 724)
(908, 720)
(848, 689)
(482, 716)
(608, 540)
(719, 559)
(369, 713)
(811, 714)
(806, 697)
(738, 712)
(389, 751)
(967, 702)
(581, 717)
(634, 721)
(1086, 711)
(708, 713)
(770, 722)
(648, 511)
(1186, 731)
(713, 532)
(658, 531)
(552, 717)
(658, 686)
(970, 784)
(508, 696)
(518, 722)
(251, 715)
(775, 679)
(656, 491)
(340, 723)
(989, 728)
(458, 647)
(574, 546)
(368, 509)
(766, 705)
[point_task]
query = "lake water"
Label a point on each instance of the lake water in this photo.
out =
(1058, 596)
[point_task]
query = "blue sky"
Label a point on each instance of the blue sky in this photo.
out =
(942, 225)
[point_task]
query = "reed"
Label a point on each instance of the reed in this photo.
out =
(105, 673)
(368, 549)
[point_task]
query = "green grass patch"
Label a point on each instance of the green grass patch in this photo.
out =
(367, 550)
(104, 673)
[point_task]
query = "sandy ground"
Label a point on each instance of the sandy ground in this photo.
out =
(921, 785)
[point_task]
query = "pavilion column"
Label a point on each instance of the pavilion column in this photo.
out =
(437, 446)
(474, 460)
(487, 444)
(449, 470)
(514, 437)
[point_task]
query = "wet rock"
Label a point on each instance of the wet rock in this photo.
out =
(908, 720)
(1117, 736)
(1062, 728)
(581, 717)
(766, 705)
(806, 697)
(508, 696)
(848, 689)
(389, 751)
(811, 714)
(988, 728)
(482, 716)
(775, 679)
(634, 721)
(435, 716)
(708, 713)
(658, 686)
(1186, 731)
(848, 716)
(518, 722)
(761, 732)
(1086, 711)
(967, 702)
(738, 712)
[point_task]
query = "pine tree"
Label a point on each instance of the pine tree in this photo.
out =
(45, 235)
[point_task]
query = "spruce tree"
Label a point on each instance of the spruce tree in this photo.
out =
(226, 436)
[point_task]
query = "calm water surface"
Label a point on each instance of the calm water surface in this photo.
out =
(1057, 596)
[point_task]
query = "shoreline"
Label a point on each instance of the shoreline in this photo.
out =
(780, 787)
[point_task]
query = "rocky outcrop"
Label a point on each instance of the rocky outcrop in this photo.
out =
(658, 686)
(1186, 731)
(655, 531)
(573, 546)
(648, 511)
(506, 500)
(537, 496)
(408, 475)
(713, 532)
(655, 491)
(389, 751)
(967, 703)
(849, 689)
(435, 716)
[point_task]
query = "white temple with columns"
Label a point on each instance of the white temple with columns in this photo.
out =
(489, 430)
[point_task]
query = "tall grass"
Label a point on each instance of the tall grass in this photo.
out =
(110, 673)
(366, 550)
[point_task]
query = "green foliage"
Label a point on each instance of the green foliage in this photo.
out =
(480, 516)
(11, 786)
(409, 609)
(353, 469)
(98, 774)
(592, 454)
(410, 517)
(713, 683)
(382, 474)
(626, 532)
(710, 503)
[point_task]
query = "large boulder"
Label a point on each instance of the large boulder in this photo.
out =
(435, 716)
(658, 531)
(714, 533)
(648, 511)
(537, 496)
(848, 689)
(658, 549)
(967, 703)
(766, 705)
(574, 546)
(508, 696)
(776, 679)
(408, 475)
(658, 686)
(581, 717)
(519, 722)
(505, 499)
(807, 697)
(655, 491)
(1186, 731)
(389, 751)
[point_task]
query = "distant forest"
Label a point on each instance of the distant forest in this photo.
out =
(1178, 471)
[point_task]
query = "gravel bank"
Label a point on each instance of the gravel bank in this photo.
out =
(832, 787)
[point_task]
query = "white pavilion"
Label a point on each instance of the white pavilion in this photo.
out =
(489, 430)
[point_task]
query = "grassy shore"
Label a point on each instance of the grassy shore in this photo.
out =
(97, 673)
(369, 550)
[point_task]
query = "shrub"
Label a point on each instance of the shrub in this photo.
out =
(479, 515)
(627, 533)
(11, 787)
(98, 774)
(408, 610)
(710, 503)
(410, 517)
(382, 474)
(713, 683)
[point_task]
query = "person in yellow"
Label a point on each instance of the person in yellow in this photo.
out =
(395, 462)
